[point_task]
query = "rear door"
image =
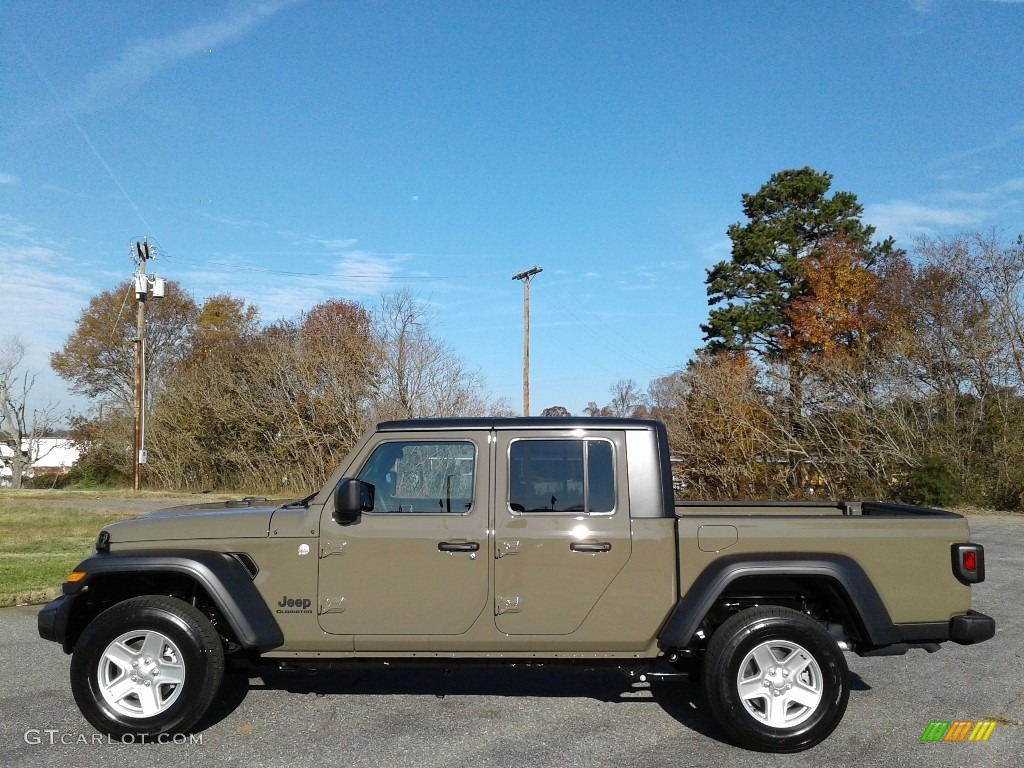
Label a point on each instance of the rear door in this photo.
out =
(562, 530)
(417, 564)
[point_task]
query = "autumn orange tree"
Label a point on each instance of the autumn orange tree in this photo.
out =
(755, 294)
(98, 359)
(241, 405)
(845, 331)
(837, 314)
(722, 433)
(267, 408)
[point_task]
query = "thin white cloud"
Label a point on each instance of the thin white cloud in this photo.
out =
(147, 58)
(7, 178)
(13, 229)
(955, 197)
(362, 273)
(904, 219)
(947, 210)
(355, 275)
(924, 6)
(716, 251)
(237, 223)
(1013, 185)
(42, 297)
(1006, 136)
(639, 279)
(337, 245)
(961, 173)
(307, 240)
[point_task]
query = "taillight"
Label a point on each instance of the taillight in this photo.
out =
(969, 563)
(970, 560)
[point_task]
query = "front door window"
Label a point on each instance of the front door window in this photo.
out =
(412, 477)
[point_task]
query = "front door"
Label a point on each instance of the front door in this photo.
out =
(417, 563)
(562, 530)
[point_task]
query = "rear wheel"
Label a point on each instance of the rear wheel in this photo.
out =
(776, 681)
(146, 666)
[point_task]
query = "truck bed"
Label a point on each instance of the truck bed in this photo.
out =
(806, 508)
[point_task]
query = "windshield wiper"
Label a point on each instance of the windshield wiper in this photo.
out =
(301, 502)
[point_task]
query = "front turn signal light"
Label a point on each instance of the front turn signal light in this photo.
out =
(76, 576)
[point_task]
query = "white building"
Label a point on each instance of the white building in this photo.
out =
(56, 455)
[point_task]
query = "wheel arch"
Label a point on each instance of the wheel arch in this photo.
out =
(835, 578)
(215, 576)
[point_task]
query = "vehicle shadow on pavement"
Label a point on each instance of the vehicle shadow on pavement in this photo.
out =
(681, 699)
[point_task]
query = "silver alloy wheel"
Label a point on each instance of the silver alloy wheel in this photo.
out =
(780, 683)
(141, 673)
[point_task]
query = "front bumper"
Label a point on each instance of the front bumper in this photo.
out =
(53, 620)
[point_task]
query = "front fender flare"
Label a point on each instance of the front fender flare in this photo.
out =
(223, 578)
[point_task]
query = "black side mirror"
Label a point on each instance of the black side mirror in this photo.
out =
(351, 498)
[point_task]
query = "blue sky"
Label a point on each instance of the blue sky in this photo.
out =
(290, 152)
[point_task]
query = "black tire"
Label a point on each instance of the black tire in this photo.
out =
(775, 679)
(147, 666)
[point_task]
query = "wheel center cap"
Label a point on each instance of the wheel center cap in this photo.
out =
(776, 680)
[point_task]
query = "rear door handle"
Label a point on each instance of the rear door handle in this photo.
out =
(601, 546)
(458, 546)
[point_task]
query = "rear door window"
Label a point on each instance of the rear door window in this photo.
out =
(563, 476)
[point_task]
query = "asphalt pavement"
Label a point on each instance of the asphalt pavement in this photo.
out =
(538, 717)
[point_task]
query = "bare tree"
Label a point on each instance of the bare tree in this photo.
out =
(628, 400)
(420, 375)
(21, 429)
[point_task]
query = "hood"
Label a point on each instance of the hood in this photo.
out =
(244, 519)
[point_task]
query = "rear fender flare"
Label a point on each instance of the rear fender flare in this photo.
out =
(845, 573)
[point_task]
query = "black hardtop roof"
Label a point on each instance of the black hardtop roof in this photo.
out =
(521, 422)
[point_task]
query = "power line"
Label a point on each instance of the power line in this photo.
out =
(629, 346)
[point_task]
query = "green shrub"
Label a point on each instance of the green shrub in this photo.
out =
(933, 483)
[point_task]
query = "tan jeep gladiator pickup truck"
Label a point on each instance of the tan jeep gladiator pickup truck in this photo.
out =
(504, 540)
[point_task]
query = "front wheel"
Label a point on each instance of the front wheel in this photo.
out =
(775, 679)
(147, 666)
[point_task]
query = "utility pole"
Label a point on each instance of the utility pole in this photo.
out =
(142, 285)
(525, 277)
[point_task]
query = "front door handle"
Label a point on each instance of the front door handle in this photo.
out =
(601, 546)
(458, 546)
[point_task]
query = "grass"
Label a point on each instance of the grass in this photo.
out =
(44, 534)
(41, 545)
(72, 494)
